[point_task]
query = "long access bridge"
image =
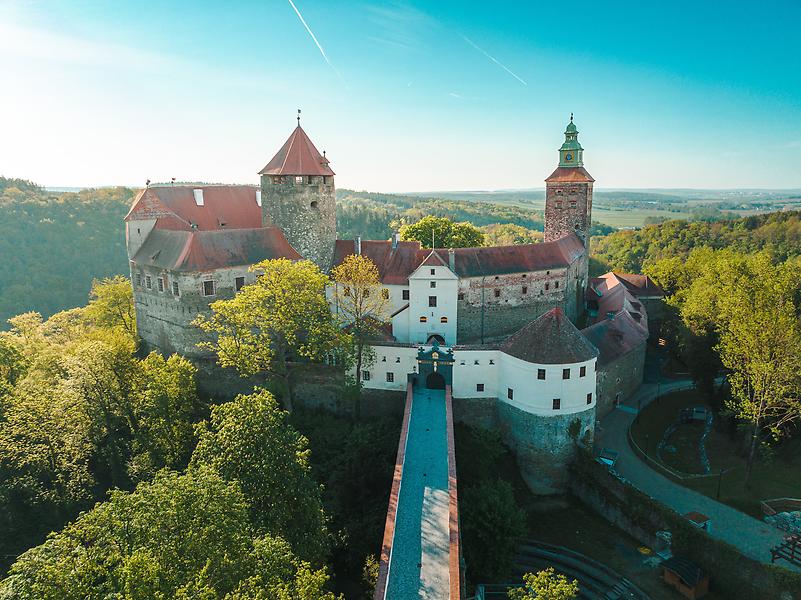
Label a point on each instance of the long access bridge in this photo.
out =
(421, 555)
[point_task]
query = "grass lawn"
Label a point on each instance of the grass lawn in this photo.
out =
(779, 477)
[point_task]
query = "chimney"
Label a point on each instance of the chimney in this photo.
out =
(452, 259)
(395, 239)
(357, 244)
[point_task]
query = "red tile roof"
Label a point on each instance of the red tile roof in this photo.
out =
(550, 340)
(609, 294)
(191, 251)
(641, 285)
(570, 175)
(297, 156)
(395, 265)
(224, 207)
(615, 336)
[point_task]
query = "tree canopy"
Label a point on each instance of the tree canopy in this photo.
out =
(443, 232)
(545, 585)
(283, 315)
(249, 440)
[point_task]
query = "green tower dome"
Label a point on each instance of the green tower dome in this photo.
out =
(570, 154)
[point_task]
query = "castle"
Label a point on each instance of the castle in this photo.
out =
(498, 324)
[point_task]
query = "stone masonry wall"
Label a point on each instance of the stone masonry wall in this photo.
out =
(164, 320)
(568, 209)
(621, 376)
(512, 307)
(542, 444)
(304, 207)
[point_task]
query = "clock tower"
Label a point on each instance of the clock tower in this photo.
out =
(568, 193)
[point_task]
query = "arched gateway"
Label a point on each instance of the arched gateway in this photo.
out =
(435, 381)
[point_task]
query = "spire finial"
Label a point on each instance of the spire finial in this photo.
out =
(571, 117)
(298, 117)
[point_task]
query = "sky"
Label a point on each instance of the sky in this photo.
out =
(403, 96)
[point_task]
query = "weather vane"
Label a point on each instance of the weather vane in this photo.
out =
(298, 117)
(571, 116)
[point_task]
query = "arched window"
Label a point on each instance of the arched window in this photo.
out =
(443, 319)
(423, 319)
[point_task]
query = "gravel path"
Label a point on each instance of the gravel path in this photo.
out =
(419, 565)
(753, 537)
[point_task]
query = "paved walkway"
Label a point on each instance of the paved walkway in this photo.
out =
(419, 566)
(753, 537)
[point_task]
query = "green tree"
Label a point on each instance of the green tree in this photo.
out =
(545, 585)
(508, 234)
(111, 304)
(181, 536)
(752, 303)
(444, 233)
(284, 314)
(249, 440)
(359, 297)
(491, 523)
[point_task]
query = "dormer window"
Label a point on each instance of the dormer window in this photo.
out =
(198, 194)
(433, 271)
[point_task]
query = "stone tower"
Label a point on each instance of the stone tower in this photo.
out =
(298, 196)
(568, 192)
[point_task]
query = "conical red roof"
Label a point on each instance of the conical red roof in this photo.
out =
(297, 156)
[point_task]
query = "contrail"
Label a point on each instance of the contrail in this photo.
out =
(313, 37)
(489, 56)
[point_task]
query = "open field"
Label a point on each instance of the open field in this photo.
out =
(776, 477)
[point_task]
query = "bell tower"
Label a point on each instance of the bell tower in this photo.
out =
(568, 192)
(298, 196)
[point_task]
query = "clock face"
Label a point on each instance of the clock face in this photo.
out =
(568, 157)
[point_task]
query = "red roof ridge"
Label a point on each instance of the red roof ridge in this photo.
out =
(298, 156)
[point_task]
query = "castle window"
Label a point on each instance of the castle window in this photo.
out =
(492, 362)
(239, 283)
(397, 359)
(497, 293)
(423, 319)
(443, 319)
(139, 279)
(557, 403)
(558, 192)
(310, 180)
(540, 373)
(405, 294)
(432, 301)
(433, 271)
(582, 371)
(148, 282)
(461, 295)
(160, 281)
(558, 204)
(510, 393)
(547, 286)
(365, 375)
(479, 387)
(572, 204)
(589, 398)
(175, 288)
(556, 285)
(325, 179)
(547, 272)
(208, 287)
(525, 289)
(432, 284)
(383, 359)
(524, 275)
(313, 204)
(390, 377)
(475, 362)
(565, 373)
(299, 179)
(385, 294)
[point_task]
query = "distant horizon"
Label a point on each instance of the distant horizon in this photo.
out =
(58, 188)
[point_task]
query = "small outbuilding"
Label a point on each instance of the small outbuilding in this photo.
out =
(686, 577)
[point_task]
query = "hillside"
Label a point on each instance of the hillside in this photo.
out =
(779, 232)
(53, 245)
